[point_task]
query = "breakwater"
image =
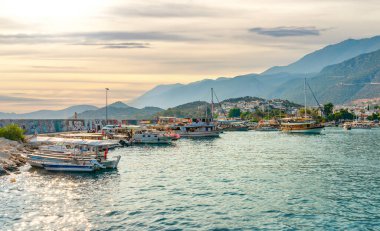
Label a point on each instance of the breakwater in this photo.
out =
(32, 126)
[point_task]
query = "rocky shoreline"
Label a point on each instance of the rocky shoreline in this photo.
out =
(12, 156)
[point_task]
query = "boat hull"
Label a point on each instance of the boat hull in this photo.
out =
(200, 134)
(267, 129)
(305, 131)
(240, 129)
(69, 168)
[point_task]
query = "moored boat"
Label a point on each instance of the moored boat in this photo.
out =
(81, 157)
(148, 137)
(200, 129)
(301, 125)
(268, 126)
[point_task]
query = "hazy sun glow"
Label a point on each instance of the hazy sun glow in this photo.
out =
(50, 9)
(59, 53)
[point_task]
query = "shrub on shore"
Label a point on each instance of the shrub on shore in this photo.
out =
(12, 132)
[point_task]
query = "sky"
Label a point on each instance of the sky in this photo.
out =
(56, 54)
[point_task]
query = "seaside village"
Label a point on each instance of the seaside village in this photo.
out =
(77, 145)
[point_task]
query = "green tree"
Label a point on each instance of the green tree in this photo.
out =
(374, 116)
(245, 115)
(12, 132)
(234, 112)
(343, 114)
(328, 109)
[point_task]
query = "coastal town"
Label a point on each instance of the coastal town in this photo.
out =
(58, 145)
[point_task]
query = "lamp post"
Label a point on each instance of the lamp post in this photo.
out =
(107, 89)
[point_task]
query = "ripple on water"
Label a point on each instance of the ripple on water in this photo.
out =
(241, 181)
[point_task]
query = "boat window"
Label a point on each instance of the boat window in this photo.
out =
(143, 135)
(155, 136)
(148, 135)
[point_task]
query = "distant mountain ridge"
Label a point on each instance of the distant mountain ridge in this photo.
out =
(277, 82)
(356, 78)
(120, 111)
(49, 114)
(329, 55)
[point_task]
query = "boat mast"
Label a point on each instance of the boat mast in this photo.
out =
(305, 97)
(212, 104)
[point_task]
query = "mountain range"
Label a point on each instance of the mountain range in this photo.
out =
(320, 67)
(339, 73)
(117, 110)
(49, 114)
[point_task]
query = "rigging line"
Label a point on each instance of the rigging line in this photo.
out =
(315, 98)
(217, 99)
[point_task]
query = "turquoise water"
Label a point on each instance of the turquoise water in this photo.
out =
(241, 181)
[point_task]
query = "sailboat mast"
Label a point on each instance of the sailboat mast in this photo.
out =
(305, 97)
(212, 104)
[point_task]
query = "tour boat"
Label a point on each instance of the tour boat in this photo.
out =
(150, 137)
(360, 125)
(267, 126)
(225, 125)
(200, 129)
(347, 126)
(301, 125)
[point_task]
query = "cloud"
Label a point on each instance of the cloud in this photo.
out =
(94, 38)
(11, 99)
(128, 36)
(168, 10)
(117, 45)
(286, 31)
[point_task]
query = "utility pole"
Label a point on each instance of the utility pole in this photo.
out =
(212, 104)
(107, 89)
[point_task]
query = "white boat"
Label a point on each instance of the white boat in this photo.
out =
(85, 152)
(199, 129)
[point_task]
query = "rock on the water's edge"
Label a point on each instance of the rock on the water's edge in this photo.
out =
(12, 156)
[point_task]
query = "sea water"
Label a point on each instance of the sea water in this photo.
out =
(240, 181)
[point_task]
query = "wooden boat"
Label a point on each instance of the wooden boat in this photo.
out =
(304, 124)
(301, 125)
(268, 126)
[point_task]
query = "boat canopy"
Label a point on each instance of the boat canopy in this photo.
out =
(94, 143)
